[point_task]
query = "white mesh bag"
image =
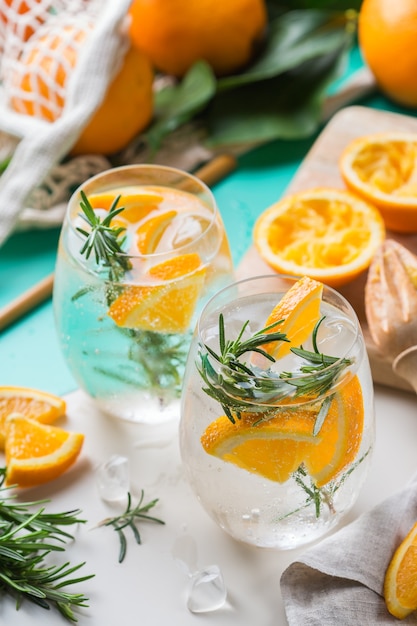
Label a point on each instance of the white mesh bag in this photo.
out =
(40, 131)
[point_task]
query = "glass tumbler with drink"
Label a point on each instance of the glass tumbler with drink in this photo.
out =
(142, 248)
(277, 422)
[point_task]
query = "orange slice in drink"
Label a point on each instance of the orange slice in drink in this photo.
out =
(400, 585)
(274, 448)
(300, 311)
(166, 306)
(37, 453)
(149, 233)
(327, 234)
(39, 405)
(137, 205)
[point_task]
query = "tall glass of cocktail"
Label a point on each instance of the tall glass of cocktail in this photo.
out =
(277, 422)
(142, 249)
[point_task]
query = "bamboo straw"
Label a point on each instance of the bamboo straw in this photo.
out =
(27, 301)
(210, 173)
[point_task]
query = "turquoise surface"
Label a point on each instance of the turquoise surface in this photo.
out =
(29, 351)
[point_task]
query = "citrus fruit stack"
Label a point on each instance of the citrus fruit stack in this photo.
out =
(327, 234)
(400, 585)
(35, 451)
(276, 447)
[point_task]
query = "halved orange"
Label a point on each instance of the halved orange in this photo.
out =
(37, 453)
(40, 405)
(167, 306)
(276, 447)
(400, 584)
(300, 311)
(382, 169)
(326, 234)
(137, 204)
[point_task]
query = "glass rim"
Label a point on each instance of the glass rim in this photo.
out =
(302, 376)
(143, 166)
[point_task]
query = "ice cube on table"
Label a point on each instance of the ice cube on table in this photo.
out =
(112, 478)
(206, 590)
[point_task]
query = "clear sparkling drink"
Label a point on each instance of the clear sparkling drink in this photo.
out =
(125, 322)
(276, 452)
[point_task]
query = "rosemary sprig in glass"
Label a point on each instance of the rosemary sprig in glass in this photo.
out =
(320, 496)
(160, 357)
(26, 539)
(128, 518)
(104, 239)
(239, 386)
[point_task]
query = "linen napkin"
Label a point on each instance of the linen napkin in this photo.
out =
(340, 580)
(42, 145)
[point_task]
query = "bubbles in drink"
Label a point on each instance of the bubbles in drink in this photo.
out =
(286, 464)
(125, 328)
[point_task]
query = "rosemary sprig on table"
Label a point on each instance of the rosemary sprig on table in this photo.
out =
(127, 519)
(239, 386)
(104, 239)
(26, 539)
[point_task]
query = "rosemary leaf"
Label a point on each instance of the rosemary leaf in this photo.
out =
(102, 238)
(26, 540)
(240, 386)
(127, 519)
(322, 414)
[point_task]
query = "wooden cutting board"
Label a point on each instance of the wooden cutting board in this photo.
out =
(320, 168)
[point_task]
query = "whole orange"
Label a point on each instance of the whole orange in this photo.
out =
(177, 33)
(126, 110)
(39, 86)
(387, 32)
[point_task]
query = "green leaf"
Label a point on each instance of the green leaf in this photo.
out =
(4, 164)
(286, 107)
(177, 104)
(293, 39)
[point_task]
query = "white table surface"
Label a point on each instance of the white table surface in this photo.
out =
(149, 588)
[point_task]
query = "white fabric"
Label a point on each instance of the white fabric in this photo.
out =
(42, 144)
(340, 581)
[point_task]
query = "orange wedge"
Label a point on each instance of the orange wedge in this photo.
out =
(165, 307)
(400, 585)
(300, 311)
(149, 233)
(327, 234)
(39, 405)
(382, 169)
(276, 447)
(37, 453)
(137, 204)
